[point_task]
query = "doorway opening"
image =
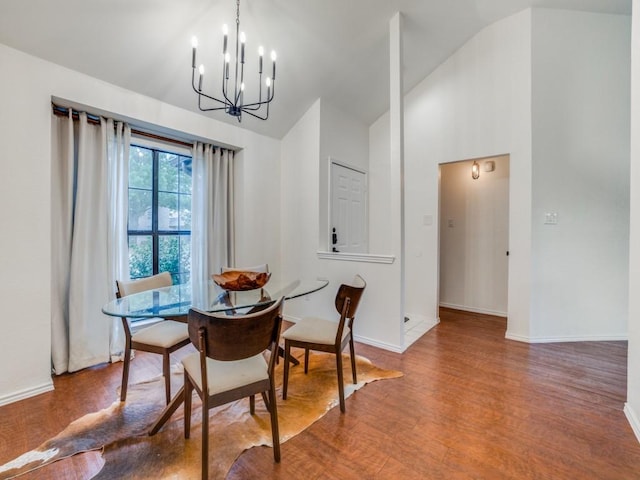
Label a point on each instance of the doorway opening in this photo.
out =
(474, 235)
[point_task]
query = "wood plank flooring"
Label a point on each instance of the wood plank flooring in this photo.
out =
(471, 405)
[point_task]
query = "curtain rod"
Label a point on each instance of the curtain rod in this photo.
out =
(95, 119)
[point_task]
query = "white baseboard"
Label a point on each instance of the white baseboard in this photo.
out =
(375, 343)
(467, 308)
(567, 338)
(633, 420)
(26, 393)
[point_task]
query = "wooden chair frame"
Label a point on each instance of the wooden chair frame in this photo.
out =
(135, 286)
(346, 303)
(229, 338)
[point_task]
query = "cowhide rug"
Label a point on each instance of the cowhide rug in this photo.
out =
(121, 429)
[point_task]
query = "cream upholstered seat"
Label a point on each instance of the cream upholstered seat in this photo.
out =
(316, 330)
(163, 337)
(230, 365)
(329, 336)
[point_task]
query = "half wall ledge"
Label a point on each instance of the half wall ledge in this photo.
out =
(356, 257)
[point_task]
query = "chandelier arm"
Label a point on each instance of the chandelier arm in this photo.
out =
(210, 109)
(227, 100)
(201, 94)
(257, 116)
(262, 102)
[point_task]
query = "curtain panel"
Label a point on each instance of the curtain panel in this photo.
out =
(212, 231)
(88, 247)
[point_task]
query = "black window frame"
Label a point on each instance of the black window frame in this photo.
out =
(155, 233)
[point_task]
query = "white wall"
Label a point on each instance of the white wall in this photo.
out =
(474, 236)
(632, 407)
(378, 322)
(342, 138)
(580, 107)
(476, 104)
(27, 86)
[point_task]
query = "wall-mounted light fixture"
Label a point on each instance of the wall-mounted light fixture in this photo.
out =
(475, 170)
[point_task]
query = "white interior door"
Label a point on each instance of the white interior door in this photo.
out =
(348, 231)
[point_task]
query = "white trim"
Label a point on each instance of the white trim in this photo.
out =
(484, 311)
(633, 420)
(516, 337)
(567, 339)
(356, 257)
(376, 343)
(26, 393)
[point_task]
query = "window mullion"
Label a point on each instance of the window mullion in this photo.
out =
(154, 216)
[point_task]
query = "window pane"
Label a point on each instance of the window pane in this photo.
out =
(169, 253)
(185, 255)
(184, 220)
(140, 209)
(167, 211)
(140, 256)
(140, 168)
(184, 176)
(168, 166)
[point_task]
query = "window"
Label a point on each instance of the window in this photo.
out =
(159, 224)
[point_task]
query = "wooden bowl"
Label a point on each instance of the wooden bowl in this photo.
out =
(237, 280)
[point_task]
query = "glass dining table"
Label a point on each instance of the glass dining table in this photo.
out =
(175, 301)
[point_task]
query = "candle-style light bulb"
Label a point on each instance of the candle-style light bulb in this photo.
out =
(268, 82)
(243, 39)
(225, 32)
(260, 55)
(273, 59)
(194, 45)
(201, 70)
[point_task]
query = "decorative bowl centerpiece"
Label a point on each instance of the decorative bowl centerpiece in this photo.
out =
(237, 280)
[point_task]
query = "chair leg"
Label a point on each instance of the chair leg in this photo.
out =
(125, 374)
(252, 404)
(353, 360)
(205, 437)
(188, 397)
(306, 361)
(340, 380)
(166, 371)
(275, 431)
(285, 380)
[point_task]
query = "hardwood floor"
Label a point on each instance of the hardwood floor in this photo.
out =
(471, 405)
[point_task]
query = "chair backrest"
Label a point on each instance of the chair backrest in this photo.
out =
(229, 338)
(353, 292)
(262, 268)
(130, 287)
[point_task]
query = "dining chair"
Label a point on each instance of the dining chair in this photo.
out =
(325, 335)
(163, 337)
(230, 365)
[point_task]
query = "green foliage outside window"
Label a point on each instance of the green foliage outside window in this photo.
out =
(159, 213)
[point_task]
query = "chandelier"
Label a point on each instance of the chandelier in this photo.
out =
(231, 98)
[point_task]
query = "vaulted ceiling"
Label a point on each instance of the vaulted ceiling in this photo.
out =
(334, 49)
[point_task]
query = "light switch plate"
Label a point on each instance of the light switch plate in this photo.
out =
(551, 218)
